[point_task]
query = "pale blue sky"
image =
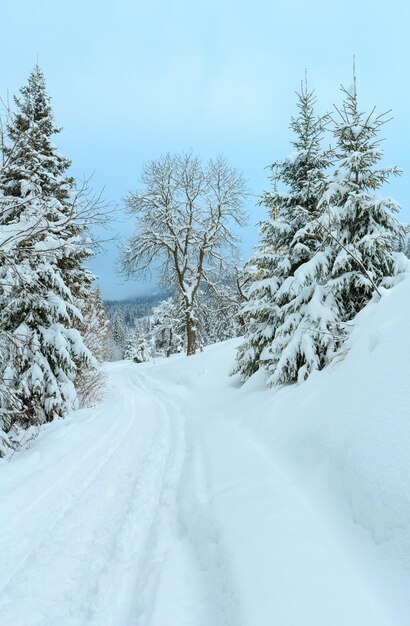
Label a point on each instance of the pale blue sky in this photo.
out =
(130, 80)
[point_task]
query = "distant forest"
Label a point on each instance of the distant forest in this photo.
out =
(132, 309)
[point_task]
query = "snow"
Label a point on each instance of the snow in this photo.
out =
(187, 499)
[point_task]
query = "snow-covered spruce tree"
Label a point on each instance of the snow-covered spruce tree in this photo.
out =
(138, 348)
(168, 327)
(18, 233)
(287, 315)
(219, 319)
(36, 312)
(31, 157)
(116, 337)
(359, 225)
(37, 292)
(94, 330)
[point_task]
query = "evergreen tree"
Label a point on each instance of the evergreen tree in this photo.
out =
(219, 312)
(37, 313)
(30, 156)
(168, 327)
(407, 247)
(38, 291)
(329, 245)
(117, 337)
(33, 165)
(362, 234)
(286, 315)
(138, 348)
(94, 330)
(18, 234)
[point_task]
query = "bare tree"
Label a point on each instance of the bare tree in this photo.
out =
(185, 212)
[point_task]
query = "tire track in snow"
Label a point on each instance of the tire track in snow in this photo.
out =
(196, 533)
(62, 508)
(122, 548)
(164, 464)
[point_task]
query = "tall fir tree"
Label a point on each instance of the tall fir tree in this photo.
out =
(38, 293)
(33, 165)
(285, 314)
(359, 225)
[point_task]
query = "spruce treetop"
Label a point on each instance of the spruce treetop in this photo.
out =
(358, 146)
(33, 164)
(302, 172)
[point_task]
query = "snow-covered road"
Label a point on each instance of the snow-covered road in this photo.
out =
(156, 509)
(84, 513)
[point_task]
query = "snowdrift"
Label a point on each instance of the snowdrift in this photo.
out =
(346, 432)
(342, 437)
(351, 422)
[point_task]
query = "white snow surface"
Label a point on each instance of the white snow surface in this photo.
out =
(186, 499)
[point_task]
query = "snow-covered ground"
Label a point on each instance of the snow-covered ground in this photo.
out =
(186, 499)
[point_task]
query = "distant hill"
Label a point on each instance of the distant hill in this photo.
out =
(136, 307)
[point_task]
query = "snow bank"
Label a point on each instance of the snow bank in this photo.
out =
(342, 437)
(352, 421)
(346, 432)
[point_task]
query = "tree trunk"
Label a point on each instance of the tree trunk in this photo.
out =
(169, 349)
(190, 335)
